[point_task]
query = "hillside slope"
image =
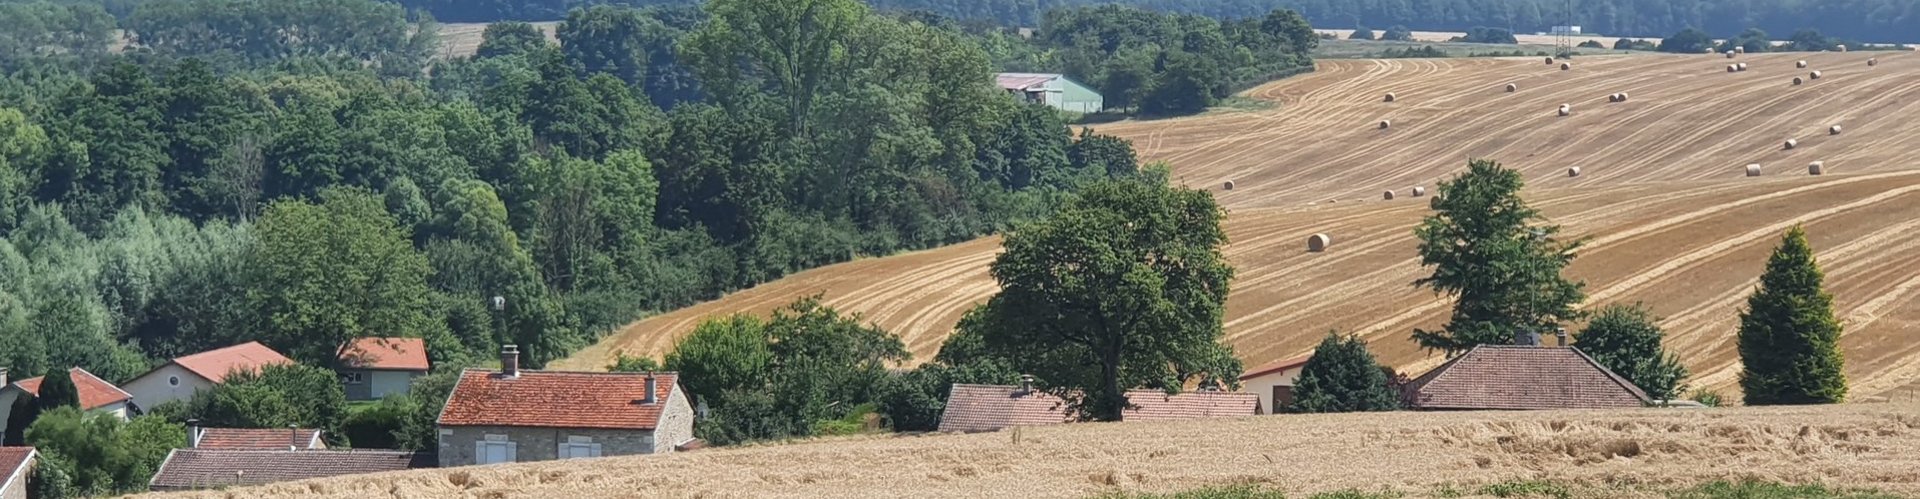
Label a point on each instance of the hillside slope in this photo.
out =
(1856, 445)
(1673, 221)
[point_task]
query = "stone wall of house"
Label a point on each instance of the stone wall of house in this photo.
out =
(676, 421)
(458, 443)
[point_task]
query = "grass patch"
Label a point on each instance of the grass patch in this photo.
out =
(1239, 103)
(1527, 488)
(1241, 491)
(1768, 490)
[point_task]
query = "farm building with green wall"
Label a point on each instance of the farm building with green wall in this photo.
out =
(1051, 89)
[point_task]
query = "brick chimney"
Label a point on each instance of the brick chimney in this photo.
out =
(193, 433)
(652, 384)
(510, 361)
(1560, 336)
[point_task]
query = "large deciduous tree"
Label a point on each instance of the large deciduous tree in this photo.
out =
(1626, 339)
(1492, 252)
(1789, 340)
(790, 49)
(1342, 376)
(1123, 288)
(325, 274)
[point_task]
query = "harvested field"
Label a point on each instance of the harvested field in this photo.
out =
(463, 39)
(1859, 445)
(1661, 193)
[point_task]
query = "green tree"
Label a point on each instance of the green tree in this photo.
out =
(1397, 33)
(1626, 339)
(623, 363)
(508, 38)
(1687, 41)
(789, 49)
(609, 39)
(23, 147)
(276, 396)
(325, 274)
(57, 390)
(1361, 33)
(1490, 251)
(1789, 339)
(721, 354)
(1752, 40)
(1124, 287)
(98, 454)
(1809, 40)
(1342, 376)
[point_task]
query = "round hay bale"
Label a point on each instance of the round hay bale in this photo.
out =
(1753, 170)
(1229, 185)
(1623, 96)
(1613, 97)
(1733, 68)
(1743, 66)
(1798, 81)
(1419, 191)
(1792, 144)
(1833, 130)
(1385, 124)
(1566, 66)
(1390, 97)
(1842, 48)
(1512, 88)
(1817, 168)
(1565, 109)
(1318, 243)
(1814, 75)
(1387, 196)
(1549, 61)
(1800, 64)
(1573, 172)
(1740, 50)
(1729, 54)
(1873, 62)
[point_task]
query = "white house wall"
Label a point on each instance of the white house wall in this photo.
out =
(386, 383)
(1263, 386)
(152, 389)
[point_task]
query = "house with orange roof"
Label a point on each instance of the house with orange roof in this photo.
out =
(373, 368)
(180, 378)
(1273, 382)
(515, 416)
(96, 395)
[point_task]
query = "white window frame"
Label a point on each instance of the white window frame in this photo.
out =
(353, 377)
(492, 441)
(577, 447)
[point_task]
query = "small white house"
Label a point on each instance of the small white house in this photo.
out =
(373, 368)
(180, 378)
(1273, 382)
(96, 395)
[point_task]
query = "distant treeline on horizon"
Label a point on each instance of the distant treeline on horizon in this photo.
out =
(1884, 21)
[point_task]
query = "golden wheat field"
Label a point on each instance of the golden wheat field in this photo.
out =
(1857, 445)
(1670, 217)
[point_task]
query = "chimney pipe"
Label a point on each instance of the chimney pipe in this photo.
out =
(295, 430)
(652, 384)
(1026, 384)
(3, 376)
(510, 361)
(193, 433)
(1560, 335)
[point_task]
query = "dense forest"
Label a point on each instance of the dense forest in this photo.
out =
(1886, 21)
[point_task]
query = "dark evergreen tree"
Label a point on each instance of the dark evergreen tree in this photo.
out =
(1342, 376)
(57, 390)
(1789, 339)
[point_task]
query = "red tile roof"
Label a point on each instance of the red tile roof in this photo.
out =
(1276, 366)
(94, 392)
(557, 399)
(1508, 377)
(394, 354)
(257, 439)
(994, 407)
(215, 364)
(206, 469)
(13, 462)
(1158, 406)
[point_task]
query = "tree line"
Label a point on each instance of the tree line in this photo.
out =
(219, 182)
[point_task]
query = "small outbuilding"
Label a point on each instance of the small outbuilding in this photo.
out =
(1273, 382)
(1052, 89)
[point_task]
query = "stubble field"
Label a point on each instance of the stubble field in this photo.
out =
(1670, 217)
